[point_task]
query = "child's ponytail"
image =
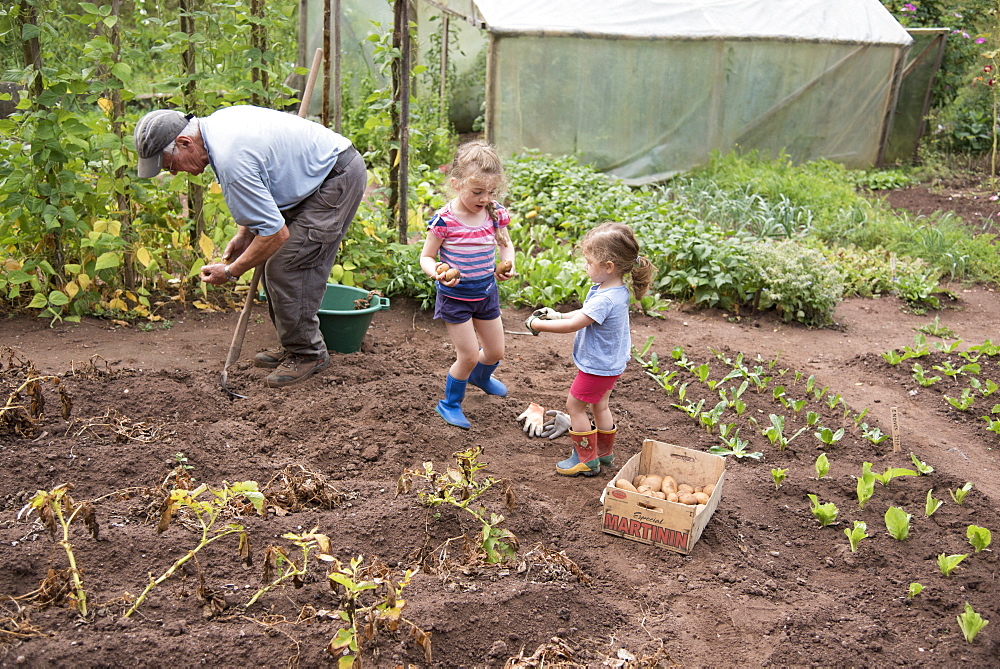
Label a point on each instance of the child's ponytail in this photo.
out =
(641, 276)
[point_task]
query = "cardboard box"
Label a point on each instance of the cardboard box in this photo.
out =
(649, 520)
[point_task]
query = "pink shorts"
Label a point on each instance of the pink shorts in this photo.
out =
(590, 388)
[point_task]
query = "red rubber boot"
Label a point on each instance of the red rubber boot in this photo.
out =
(606, 445)
(584, 459)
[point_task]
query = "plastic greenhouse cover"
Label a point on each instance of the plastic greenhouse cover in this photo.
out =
(854, 21)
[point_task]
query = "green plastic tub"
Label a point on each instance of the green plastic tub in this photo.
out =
(342, 325)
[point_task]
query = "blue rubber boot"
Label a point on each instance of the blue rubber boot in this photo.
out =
(584, 459)
(450, 408)
(482, 377)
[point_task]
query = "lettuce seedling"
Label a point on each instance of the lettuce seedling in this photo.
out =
(979, 537)
(892, 472)
(932, 504)
(958, 494)
(778, 476)
(897, 521)
(812, 418)
(866, 484)
(947, 563)
(825, 513)
(964, 402)
(822, 466)
(856, 534)
(914, 590)
(970, 623)
(922, 467)
(920, 376)
(828, 436)
(892, 357)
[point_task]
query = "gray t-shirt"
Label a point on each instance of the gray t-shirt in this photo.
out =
(267, 160)
(603, 347)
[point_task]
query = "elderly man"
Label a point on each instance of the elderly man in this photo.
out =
(293, 187)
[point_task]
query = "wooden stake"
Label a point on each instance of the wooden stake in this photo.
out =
(894, 412)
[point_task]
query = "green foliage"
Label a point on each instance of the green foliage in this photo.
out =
(914, 590)
(897, 522)
(797, 281)
(825, 513)
(778, 476)
(958, 494)
(948, 563)
(979, 537)
(970, 623)
(932, 504)
(882, 179)
(856, 534)
(822, 465)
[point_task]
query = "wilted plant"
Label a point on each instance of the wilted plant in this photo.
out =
(958, 494)
(856, 534)
(369, 600)
(226, 501)
(825, 513)
(897, 521)
(970, 623)
(280, 567)
(932, 504)
(947, 563)
(58, 511)
(460, 488)
(979, 537)
(778, 476)
(775, 433)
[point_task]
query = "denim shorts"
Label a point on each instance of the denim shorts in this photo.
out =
(451, 310)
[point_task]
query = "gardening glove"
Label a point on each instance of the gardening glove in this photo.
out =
(533, 417)
(527, 324)
(556, 425)
(547, 314)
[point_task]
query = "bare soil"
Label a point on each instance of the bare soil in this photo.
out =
(765, 585)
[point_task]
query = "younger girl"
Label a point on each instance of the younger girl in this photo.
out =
(602, 345)
(466, 233)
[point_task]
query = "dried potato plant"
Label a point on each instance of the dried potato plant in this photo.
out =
(58, 511)
(295, 488)
(24, 408)
(118, 428)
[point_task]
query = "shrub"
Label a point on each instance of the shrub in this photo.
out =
(797, 281)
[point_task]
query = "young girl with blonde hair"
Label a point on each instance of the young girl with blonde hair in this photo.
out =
(465, 234)
(602, 345)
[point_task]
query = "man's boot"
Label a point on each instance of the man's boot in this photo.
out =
(482, 377)
(450, 408)
(606, 445)
(269, 359)
(295, 368)
(584, 459)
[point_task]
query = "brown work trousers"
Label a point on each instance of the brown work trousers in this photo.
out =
(295, 276)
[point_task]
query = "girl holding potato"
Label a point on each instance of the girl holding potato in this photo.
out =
(602, 344)
(465, 235)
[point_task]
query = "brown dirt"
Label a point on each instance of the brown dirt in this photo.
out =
(765, 585)
(976, 200)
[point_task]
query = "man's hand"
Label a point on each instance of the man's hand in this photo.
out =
(556, 425)
(214, 274)
(547, 314)
(527, 323)
(533, 417)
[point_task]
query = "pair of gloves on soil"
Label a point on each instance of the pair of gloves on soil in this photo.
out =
(541, 423)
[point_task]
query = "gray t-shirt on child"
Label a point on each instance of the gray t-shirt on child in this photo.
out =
(603, 347)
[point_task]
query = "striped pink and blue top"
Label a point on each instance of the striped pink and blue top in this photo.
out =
(471, 250)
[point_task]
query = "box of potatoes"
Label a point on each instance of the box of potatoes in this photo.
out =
(664, 496)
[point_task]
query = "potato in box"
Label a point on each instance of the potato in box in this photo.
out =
(647, 519)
